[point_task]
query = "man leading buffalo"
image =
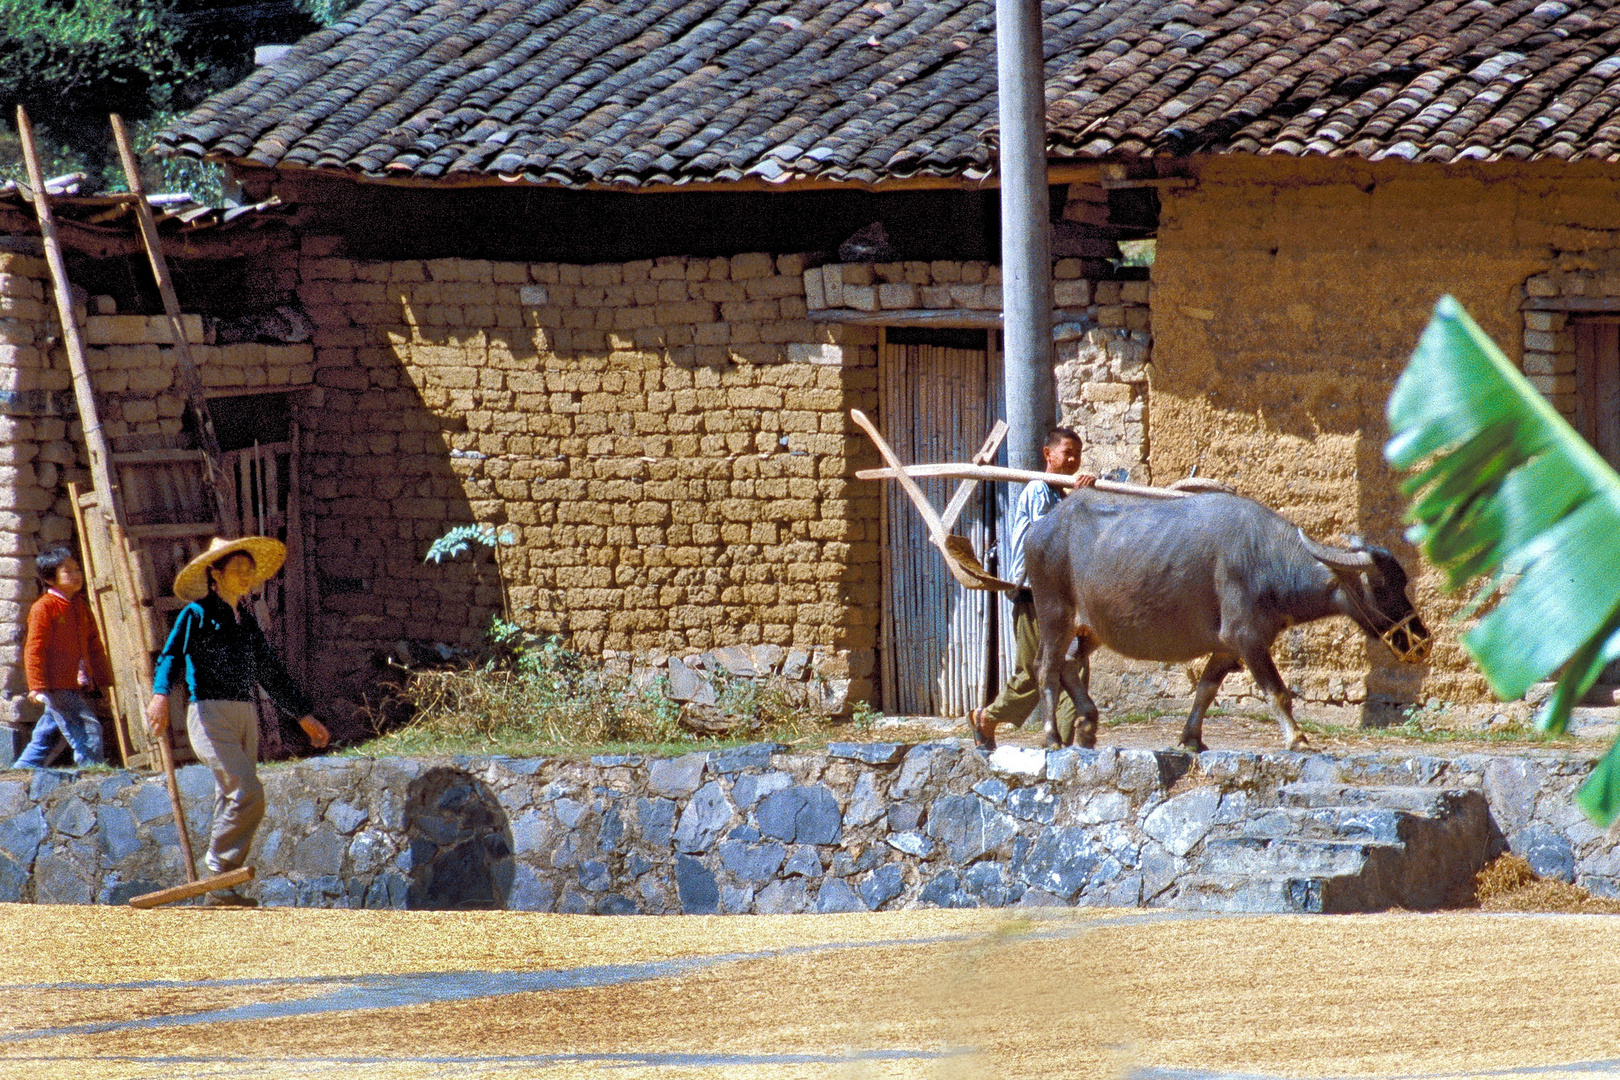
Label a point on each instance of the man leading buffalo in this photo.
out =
(1021, 693)
(225, 655)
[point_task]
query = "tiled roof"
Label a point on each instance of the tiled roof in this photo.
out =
(634, 92)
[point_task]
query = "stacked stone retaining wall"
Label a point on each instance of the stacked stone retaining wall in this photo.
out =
(752, 829)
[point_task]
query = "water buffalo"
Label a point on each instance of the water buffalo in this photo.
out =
(1212, 575)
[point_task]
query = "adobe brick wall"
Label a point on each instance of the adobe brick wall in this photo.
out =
(668, 439)
(1101, 331)
(42, 444)
(1287, 298)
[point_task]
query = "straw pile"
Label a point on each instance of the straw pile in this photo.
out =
(1508, 884)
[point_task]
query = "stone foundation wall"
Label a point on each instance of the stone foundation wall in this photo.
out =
(859, 827)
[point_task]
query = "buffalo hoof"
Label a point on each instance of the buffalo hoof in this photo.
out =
(1299, 742)
(984, 740)
(1051, 741)
(1196, 746)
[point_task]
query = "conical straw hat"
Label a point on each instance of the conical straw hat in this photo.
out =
(191, 583)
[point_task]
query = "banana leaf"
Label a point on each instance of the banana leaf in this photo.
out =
(1504, 489)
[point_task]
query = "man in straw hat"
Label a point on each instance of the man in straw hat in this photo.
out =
(225, 654)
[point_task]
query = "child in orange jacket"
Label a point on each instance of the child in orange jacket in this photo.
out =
(63, 657)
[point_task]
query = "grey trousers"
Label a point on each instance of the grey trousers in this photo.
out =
(225, 735)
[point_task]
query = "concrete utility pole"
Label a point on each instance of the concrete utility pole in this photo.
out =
(1026, 242)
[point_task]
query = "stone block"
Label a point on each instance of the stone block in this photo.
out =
(752, 862)
(815, 297)
(807, 814)
(837, 896)
(117, 330)
(705, 818)
(699, 892)
(897, 296)
(860, 297)
(1071, 294)
(968, 827)
(858, 274)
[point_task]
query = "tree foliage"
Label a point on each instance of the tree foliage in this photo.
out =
(72, 62)
(1506, 492)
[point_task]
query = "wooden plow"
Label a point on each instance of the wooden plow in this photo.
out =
(960, 557)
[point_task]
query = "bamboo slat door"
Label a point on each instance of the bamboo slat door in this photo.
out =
(935, 406)
(266, 482)
(169, 521)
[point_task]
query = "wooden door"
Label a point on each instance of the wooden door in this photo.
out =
(935, 405)
(265, 477)
(1597, 381)
(1597, 401)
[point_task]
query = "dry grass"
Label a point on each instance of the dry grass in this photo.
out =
(1087, 994)
(1508, 884)
(535, 695)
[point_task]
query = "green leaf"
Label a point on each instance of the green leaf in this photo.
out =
(1600, 795)
(1503, 488)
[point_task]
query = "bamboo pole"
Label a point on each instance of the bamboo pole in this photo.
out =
(214, 478)
(84, 397)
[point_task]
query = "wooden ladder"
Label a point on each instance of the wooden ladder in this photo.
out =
(150, 511)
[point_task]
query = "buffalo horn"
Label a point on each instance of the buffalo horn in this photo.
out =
(1338, 558)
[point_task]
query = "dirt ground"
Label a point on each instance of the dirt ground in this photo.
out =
(1257, 731)
(96, 992)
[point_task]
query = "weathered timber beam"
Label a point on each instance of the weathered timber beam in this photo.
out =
(948, 318)
(950, 471)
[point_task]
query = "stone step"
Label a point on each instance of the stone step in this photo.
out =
(1369, 823)
(1251, 894)
(1340, 848)
(1263, 856)
(1431, 801)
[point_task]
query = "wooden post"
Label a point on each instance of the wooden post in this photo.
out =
(1026, 243)
(214, 477)
(95, 440)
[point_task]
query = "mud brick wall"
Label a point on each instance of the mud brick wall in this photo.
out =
(138, 391)
(1103, 337)
(1287, 299)
(668, 441)
(42, 450)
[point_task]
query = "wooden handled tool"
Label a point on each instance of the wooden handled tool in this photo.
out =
(193, 886)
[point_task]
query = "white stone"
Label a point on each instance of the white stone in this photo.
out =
(1019, 761)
